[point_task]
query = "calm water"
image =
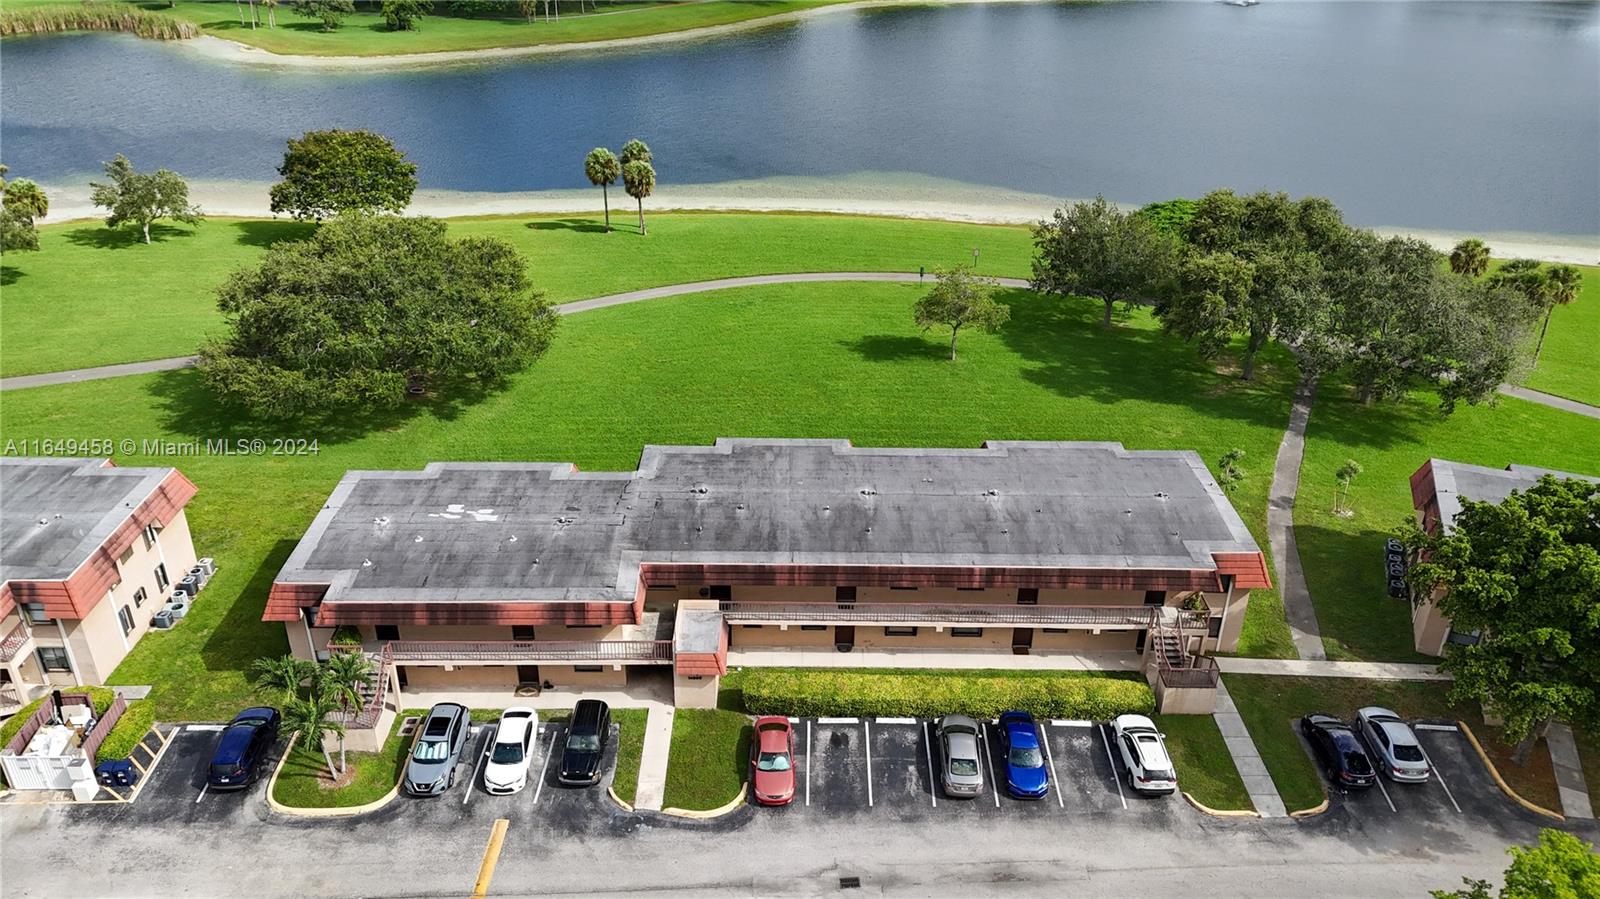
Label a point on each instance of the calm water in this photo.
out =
(1469, 116)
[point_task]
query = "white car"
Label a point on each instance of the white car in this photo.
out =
(1144, 753)
(1394, 745)
(506, 772)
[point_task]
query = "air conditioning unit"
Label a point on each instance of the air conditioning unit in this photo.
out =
(209, 564)
(177, 610)
(200, 576)
(162, 620)
(188, 585)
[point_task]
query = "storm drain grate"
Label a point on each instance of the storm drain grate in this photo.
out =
(409, 726)
(849, 883)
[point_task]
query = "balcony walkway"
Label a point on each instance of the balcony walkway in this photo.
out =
(994, 615)
(828, 657)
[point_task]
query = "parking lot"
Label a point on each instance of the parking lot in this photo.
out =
(890, 767)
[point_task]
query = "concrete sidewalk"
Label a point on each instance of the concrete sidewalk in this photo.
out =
(1569, 772)
(1554, 402)
(1310, 668)
(1297, 605)
(653, 759)
(1257, 779)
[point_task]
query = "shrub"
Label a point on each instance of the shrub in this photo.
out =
(346, 635)
(127, 732)
(111, 17)
(813, 692)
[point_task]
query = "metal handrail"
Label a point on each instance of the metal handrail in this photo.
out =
(15, 639)
(531, 650)
(1200, 671)
(1116, 616)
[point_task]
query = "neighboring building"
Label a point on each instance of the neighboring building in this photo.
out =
(1437, 489)
(483, 576)
(88, 554)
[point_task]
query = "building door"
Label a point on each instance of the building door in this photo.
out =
(1139, 641)
(527, 674)
(844, 637)
(523, 633)
(1021, 640)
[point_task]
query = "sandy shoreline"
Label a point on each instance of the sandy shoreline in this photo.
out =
(865, 194)
(225, 50)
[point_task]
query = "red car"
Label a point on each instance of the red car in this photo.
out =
(772, 761)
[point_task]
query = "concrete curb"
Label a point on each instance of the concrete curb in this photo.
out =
(710, 813)
(627, 807)
(1219, 813)
(334, 812)
(1501, 781)
(1313, 811)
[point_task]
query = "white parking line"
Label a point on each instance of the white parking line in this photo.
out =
(868, 743)
(1379, 775)
(992, 769)
(549, 751)
(933, 784)
(1440, 778)
(895, 720)
(838, 720)
(1451, 728)
(202, 794)
(1385, 791)
(204, 728)
(1057, 722)
(1106, 742)
(487, 745)
(808, 763)
(1054, 774)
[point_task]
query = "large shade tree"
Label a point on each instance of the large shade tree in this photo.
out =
(16, 217)
(1525, 574)
(329, 172)
(959, 300)
(368, 309)
(1561, 866)
(142, 198)
(1096, 250)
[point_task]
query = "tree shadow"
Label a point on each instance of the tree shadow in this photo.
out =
(267, 232)
(101, 237)
(241, 637)
(9, 275)
(897, 347)
(1339, 416)
(1348, 582)
(587, 226)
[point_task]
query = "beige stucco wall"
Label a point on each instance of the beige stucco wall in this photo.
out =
(695, 694)
(497, 632)
(569, 676)
(996, 639)
(1185, 701)
(1086, 641)
(1429, 628)
(300, 645)
(1233, 622)
(423, 677)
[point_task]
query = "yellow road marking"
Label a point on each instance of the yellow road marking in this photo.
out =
(491, 854)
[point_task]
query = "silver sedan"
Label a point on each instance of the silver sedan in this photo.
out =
(962, 768)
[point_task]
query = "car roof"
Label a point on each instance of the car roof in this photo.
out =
(260, 711)
(1022, 733)
(1127, 722)
(963, 744)
(1152, 751)
(1399, 732)
(588, 710)
(512, 730)
(774, 739)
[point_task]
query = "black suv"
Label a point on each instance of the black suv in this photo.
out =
(586, 743)
(1338, 751)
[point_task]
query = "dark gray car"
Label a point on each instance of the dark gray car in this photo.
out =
(440, 741)
(961, 769)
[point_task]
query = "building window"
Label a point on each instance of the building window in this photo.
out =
(662, 587)
(970, 589)
(523, 632)
(966, 632)
(149, 536)
(813, 627)
(54, 658)
(126, 617)
(748, 627)
(35, 612)
(1155, 597)
(899, 632)
(1215, 628)
(1028, 596)
(581, 627)
(386, 631)
(139, 596)
(162, 581)
(697, 677)
(588, 669)
(1058, 630)
(902, 588)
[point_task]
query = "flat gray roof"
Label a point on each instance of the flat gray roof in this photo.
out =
(1453, 481)
(54, 513)
(548, 532)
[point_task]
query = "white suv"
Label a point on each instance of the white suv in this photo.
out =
(1144, 752)
(1394, 744)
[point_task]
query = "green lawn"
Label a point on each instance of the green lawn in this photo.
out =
(1271, 706)
(1567, 367)
(1200, 756)
(710, 753)
(817, 360)
(303, 780)
(364, 33)
(1343, 556)
(93, 296)
(630, 749)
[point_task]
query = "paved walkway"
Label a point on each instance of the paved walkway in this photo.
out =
(1569, 772)
(1280, 531)
(75, 375)
(1554, 402)
(1257, 779)
(1324, 668)
(653, 759)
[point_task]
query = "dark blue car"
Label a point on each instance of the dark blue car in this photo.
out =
(1026, 774)
(244, 744)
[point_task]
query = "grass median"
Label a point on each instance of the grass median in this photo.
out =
(630, 750)
(708, 761)
(1201, 758)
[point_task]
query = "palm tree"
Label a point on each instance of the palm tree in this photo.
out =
(1470, 257)
(639, 180)
(1561, 287)
(310, 718)
(603, 169)
(636, 150)
(284, 673)
(344, 677)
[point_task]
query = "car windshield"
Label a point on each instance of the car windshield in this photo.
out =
(431, 751)
(506, 753)
(964, 767)
(250, 722)
(1357, 763)
(583, 742)
(1407, 753)
(1025, 758)
(773, 761)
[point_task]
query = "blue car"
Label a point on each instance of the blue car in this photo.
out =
(243, 746)
(1026, 774)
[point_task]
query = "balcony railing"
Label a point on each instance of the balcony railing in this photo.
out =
(15, 640)
(940, 613)
(446, 651)
(1200, 672)
(9, 697)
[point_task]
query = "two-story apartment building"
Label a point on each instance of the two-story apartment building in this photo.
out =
(88, 553)
(1437, 489)
(484, 576)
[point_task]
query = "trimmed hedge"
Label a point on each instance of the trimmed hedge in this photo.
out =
(836, 691)
(127, 732)
(102, 697)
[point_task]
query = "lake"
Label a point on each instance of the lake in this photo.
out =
(1467, 116)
